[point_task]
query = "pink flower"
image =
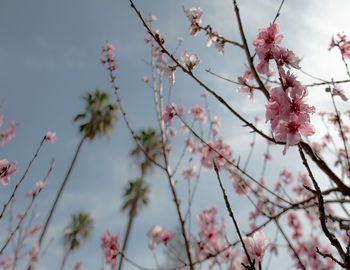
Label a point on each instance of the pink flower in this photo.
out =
(197, 113)
(190, 61)
(257, 118)
(77, 266)
(167, 236)
(241, 186)
(7, 262)
(267, 38)
(33, 255)
(159, 235)
(190, 145)
(41, 184)
(35, 230)
(6, 169)
(145, 79)
(247, 82)
(20, 215)
(265, 56)
(267, 156)
(180, 39)
(216, 125)
(289, 132)
(220, 45)
(295, 224)
(108, 52)
(155, 233)
(256, 246)
(211, 38)
(9, 133)
(171, 132)
(152, 18)
(168, 147)
(51, 136)
(208, 155)
(342, 44)
(169, 114)
(110, 246)
(286, 57)
(190, 172)
(194, 15)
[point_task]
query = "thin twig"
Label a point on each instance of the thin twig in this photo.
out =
(24, 175)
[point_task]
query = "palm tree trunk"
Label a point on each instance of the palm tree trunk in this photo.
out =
(58, 196)
(64, 260)
(132, 216)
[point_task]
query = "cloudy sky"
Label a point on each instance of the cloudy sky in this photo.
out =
(49, 57)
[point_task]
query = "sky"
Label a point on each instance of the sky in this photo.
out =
(49, 57)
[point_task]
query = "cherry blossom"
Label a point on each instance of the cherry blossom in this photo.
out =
(7, 262)
(267, 38)
(77, 266)
(197, 113)
(10, 132)
(145, 79)
(35, 230)
(342, 44)
(169, 113)
(195, 17)
(33, 255)
(208, 155)
(190, 145)
(110, 246)
(189, 172)
(41, 184)
(247, 82)
(108, 53)
(256, 245)
(159, 235)
(190, 61)
(51, 136)
(6, 169)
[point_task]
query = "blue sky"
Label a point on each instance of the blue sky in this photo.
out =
(49, 57)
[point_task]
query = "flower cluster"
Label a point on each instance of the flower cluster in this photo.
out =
(6, 169)
(170, 111)
(190, 172)
(247, 82)
(108, 57)
(342, 44)
(6, 262)
(286, 109)
(110, 246)
(159, 235)
(9, 133)
(208, 155)
(267, 47)
(210, 235)
(33, 255)
(195, 17)
(197, 113)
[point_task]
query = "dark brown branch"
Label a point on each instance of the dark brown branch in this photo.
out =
(331, 237)
(228, 207)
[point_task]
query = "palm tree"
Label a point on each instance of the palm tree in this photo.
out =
(136, 194)
(99, 120)
(151, 142)
(78, 230)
